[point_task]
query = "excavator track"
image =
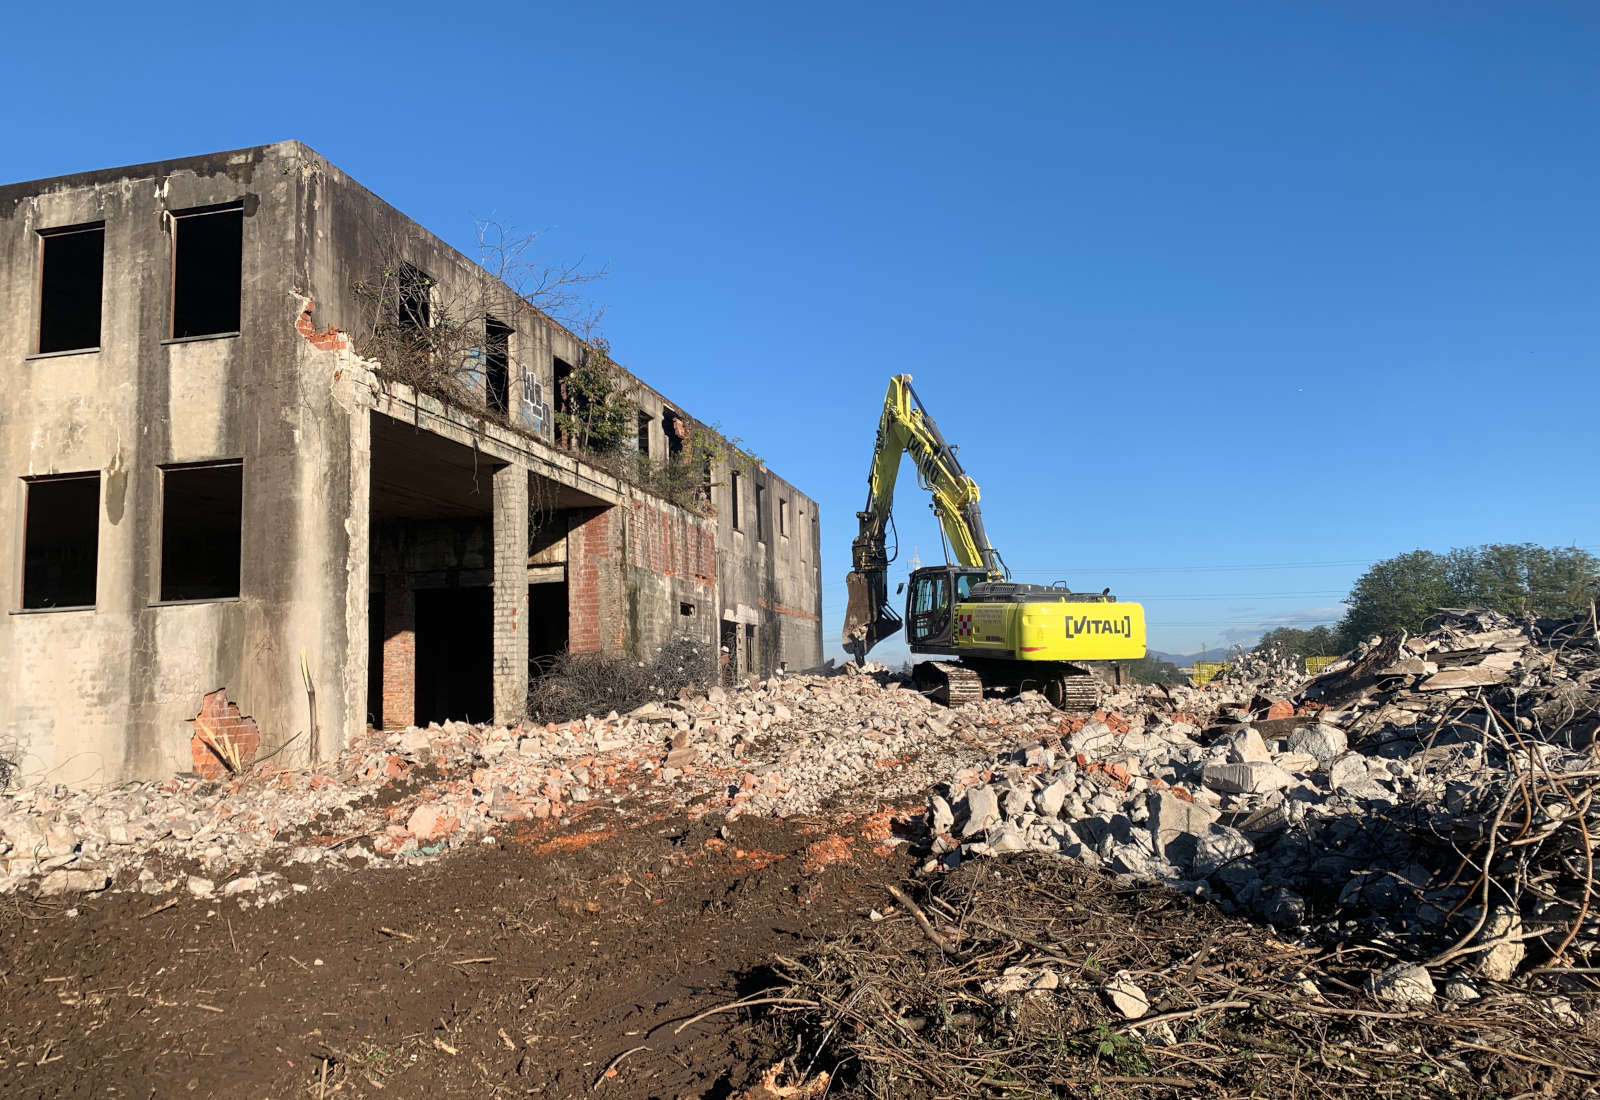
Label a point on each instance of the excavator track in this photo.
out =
(948, 683)
(1075, 694)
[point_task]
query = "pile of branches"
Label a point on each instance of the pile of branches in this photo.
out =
(8, 765)
(572, 685)
(1033, 976)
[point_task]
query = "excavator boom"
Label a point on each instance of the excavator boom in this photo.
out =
(906, 428)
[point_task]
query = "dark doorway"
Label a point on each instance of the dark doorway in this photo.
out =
(455, 655)
(547, 619)
(729, 655)
(375, 609)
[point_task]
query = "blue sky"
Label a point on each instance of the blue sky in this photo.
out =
(1221, 301)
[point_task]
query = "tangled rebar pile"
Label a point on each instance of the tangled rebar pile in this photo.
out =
(572, 685)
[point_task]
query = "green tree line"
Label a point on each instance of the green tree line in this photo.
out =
(1399, 593)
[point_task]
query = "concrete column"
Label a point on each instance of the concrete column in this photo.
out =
(399, 652)
(510, 594)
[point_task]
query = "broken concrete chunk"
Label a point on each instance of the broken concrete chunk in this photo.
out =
(941, 817)
(1404, 984)
(1247, 747)
(1124, 995)
(1049, 800)
(1500, 962)
(414, 742)
(1245, 778)
(1409, 666)
(1219, 846)
(1176, 825)
(983, 810)
(1452, 678)
(1321, 741)
(74, 880)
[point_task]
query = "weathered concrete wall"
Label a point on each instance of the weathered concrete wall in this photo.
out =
(98, 695)
(767, 567)
(106, 694)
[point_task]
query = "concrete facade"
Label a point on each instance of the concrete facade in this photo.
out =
(210, 488)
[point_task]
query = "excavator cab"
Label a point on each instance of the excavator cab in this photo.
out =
(930, 603)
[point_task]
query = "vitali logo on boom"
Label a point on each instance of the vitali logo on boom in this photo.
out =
(1088, 624)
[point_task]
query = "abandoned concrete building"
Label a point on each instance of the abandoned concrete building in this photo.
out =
(217, 482)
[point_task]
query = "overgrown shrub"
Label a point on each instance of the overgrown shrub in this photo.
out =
(572, 685)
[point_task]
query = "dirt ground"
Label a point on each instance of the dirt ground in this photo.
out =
(524, 967)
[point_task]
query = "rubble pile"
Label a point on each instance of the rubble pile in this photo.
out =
(791, 745)
(1434, 796)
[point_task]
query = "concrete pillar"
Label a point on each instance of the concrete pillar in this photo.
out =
(399, 652)
(510, 594)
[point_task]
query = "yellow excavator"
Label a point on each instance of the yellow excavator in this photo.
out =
(1003, 634)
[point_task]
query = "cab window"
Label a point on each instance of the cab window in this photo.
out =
(932, 594)
(964, 585)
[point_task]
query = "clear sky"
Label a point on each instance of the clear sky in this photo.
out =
(1221, 301)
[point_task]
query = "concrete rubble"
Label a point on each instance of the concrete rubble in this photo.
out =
(1362, 805)
(1443, 821)
(790, 746)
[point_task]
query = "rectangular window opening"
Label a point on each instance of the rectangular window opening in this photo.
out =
(783, 516)
(497, 365)
(761, 513)
(61, 541)
(674, 429)
(644, 433)
(202, 511)
(686, 610)
(414, 299)
(733, 494)
(207, 272)
(71, 271)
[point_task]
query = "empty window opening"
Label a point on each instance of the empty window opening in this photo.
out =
(202, 508)
(561, 382)
(72, 267)
(761, 513)
(727, 658)
(207, 260)
(733, 493)
(686, 610)
(750, 663)
(674, 429)
(414, 298)
(783, 516)
(644, 433)
(561, 372)
(497, 365)
(61, 541)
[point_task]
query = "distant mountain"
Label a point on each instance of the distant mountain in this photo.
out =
(1184, 660)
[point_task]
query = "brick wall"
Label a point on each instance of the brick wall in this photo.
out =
(592, 579)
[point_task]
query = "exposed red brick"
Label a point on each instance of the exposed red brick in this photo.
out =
(330, 340)
(219, 728)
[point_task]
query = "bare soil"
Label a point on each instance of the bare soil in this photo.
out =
(525, 966)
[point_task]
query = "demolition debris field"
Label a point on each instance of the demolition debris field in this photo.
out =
(1376, 882)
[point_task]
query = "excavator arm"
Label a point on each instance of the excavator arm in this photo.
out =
(906, 428)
